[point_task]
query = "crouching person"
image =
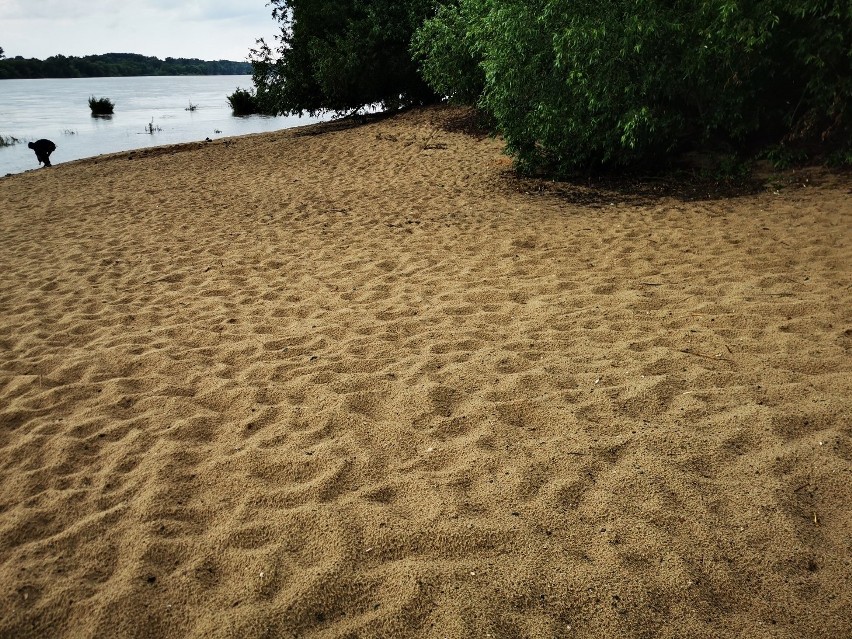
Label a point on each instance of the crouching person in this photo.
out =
(43, 149)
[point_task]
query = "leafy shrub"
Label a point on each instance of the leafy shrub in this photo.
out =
(101, 106)
(243, 102)
(449, 48)
(580, 84)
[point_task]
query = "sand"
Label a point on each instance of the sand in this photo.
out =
(357, 381)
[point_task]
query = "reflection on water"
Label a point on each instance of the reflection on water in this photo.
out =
(149, 111)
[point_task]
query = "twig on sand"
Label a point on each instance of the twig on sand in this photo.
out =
(651, 283)
(713, 357)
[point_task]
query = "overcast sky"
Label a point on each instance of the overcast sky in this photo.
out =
(206, 29)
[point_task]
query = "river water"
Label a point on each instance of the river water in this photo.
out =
(58, 109)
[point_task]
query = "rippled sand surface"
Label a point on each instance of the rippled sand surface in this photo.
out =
(358, 382)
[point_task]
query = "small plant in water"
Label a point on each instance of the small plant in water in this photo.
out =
(101, 106)
(191, 107)
(9, 140)
(152, 128)
(69, 132)
(243, 102)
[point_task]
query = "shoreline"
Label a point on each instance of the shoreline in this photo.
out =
(59, 112)
(159, 150)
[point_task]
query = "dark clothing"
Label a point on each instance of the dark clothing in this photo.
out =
(43, 149)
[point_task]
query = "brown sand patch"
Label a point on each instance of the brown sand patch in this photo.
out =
(354, 384)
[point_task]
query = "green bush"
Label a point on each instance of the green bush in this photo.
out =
(578, 85)
(449, 48)
(243, 102)
(101, 106)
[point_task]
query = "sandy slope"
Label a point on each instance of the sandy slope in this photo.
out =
(357, 383)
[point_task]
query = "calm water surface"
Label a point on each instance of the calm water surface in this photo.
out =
(59, 110)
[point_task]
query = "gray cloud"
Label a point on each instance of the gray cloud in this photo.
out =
(209, 29)
(211, 9)
(50, 9)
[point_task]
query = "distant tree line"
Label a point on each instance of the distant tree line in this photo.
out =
(114, 64)
(579, 85)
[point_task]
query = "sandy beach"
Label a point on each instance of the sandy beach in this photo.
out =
(359, 381)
